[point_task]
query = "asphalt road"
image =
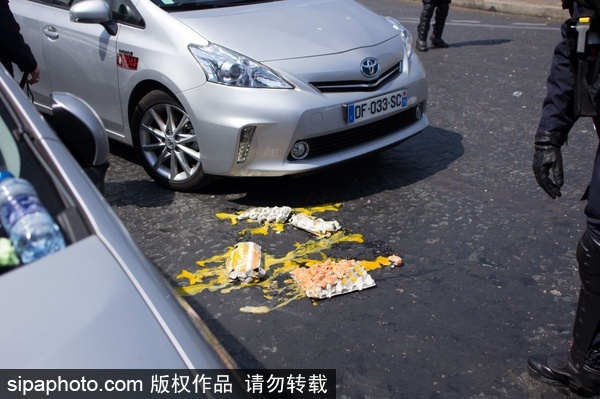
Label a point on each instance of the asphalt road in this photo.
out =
(489, 272)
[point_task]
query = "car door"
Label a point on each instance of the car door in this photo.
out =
(76, 58)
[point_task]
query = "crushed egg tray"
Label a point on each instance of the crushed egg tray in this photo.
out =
(356, 279)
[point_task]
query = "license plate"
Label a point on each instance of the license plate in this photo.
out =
(375, 106)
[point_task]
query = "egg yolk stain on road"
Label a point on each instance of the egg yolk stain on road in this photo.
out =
(277, 286)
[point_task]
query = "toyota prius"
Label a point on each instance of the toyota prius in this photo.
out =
(203, 88)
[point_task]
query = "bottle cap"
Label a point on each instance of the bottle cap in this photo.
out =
(5, 174)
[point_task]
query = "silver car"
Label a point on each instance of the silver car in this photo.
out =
(205, 88)
(98, 303)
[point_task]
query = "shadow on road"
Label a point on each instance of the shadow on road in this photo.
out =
(492, 42)
(417, 158)
(421, 156)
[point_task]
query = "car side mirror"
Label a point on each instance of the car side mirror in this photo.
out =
(83, 133)
(93, 12)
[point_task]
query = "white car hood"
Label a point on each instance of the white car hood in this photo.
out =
(290, 29)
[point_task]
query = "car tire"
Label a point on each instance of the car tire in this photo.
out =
(165, 142)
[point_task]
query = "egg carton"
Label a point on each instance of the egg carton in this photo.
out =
(278, 214)
(245, 262)
(357, 279)
(314, 225)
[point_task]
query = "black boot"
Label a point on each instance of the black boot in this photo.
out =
(422, 45)
(423, 27)
(439, 42)
(438, 27)
(537, 366)
(578, 369)
(559, 369)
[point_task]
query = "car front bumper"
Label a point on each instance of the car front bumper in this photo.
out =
(283, 117)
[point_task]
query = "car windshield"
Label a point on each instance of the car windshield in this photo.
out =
(181, 5)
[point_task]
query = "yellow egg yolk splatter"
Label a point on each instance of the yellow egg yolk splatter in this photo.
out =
(278, 288)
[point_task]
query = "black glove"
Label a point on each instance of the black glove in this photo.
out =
(547, 157)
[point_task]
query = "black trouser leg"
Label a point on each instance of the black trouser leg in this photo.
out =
(441, 13)
(423, 27)
(440, 20)
(578, 368)
(587, 317)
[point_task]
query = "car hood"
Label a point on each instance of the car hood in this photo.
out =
(290, 29)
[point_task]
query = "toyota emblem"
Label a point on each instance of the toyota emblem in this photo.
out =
(369, 67)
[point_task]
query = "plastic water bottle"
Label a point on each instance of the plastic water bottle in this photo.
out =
(31, 229)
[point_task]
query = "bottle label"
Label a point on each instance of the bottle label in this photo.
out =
(19, 206)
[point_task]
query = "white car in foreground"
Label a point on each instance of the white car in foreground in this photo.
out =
(231, 87)
(99, 303)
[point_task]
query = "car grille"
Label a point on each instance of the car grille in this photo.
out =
(357, 85)
(320, 146)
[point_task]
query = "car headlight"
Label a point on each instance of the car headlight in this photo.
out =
(404, 34)
(227, 67)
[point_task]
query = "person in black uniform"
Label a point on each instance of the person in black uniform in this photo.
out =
(579, 367)
(440, 7)
(13, 48)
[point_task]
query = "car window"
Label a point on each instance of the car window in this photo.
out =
(58, 3)
(62, 3)
(182, 5)
(20, 155)
(124, 11)
(66, 4)
(18, 158)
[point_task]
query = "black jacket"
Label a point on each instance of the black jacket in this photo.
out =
(13, 48)
(591, 4)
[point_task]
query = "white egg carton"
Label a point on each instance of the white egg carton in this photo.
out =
(278, 214)
(314, 225)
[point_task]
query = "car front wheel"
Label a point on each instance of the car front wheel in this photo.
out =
(165, 143)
